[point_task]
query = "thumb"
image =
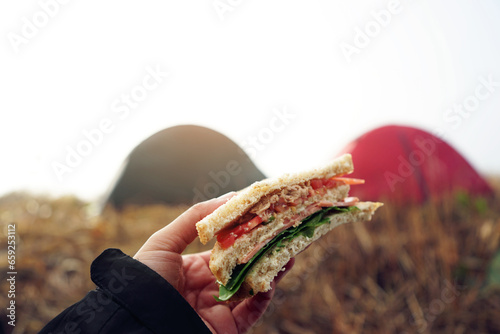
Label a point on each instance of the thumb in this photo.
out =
(249, 311)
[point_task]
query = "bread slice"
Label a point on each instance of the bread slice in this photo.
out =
(237, 206)
(263, 272)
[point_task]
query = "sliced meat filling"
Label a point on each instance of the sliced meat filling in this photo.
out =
(292, 204)
(296, 219)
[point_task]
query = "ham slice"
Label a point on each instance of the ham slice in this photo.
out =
(311, 209)
(291, 197)
(254, 251)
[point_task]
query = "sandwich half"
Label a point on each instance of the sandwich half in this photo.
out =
(259, 230)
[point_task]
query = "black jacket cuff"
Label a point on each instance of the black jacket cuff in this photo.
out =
(145, 294)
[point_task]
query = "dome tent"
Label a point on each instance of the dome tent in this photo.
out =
(183, 164)
(408, 165)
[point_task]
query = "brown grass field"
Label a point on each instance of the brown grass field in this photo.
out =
(414, 269)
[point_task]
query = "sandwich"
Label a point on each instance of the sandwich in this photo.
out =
(266, 224)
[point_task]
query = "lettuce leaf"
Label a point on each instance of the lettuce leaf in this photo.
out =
(306, 229)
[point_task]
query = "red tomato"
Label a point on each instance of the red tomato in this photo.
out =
(316, 184)
(252, 223)
(226, 240)
(349, 180)
(329, 183)
(228, 237)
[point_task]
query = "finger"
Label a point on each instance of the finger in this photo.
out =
(205, 256)
(182, 231)
(249, 311)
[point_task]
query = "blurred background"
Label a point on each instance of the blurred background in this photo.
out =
(283, 86)
(227, 66)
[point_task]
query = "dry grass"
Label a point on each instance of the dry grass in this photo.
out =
(410, 270)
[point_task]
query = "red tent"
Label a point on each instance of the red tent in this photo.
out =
(408, 165)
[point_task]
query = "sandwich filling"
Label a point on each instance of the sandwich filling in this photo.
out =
(306, 229)
(291, 204)
(293, 211)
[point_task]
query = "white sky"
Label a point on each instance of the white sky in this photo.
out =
(69, 74)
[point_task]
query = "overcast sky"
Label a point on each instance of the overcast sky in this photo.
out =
(303, 77)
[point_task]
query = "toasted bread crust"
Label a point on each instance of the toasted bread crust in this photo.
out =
(225, 215)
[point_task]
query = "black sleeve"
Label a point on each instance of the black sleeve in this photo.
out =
(130, 298)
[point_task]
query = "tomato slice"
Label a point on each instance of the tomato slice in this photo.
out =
(227, 238)
(348, 180)
(329, 183)
(316, 184)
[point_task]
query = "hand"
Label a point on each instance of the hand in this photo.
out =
(191, 276)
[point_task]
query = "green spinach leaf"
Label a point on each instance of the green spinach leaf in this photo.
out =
(306, 229)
